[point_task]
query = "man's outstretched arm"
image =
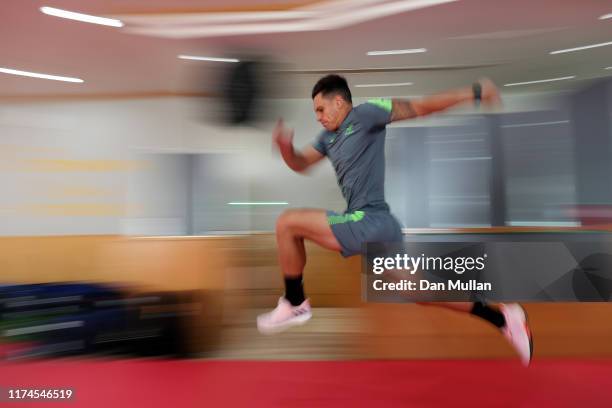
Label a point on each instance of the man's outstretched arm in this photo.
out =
(405, 109)
(298, 161)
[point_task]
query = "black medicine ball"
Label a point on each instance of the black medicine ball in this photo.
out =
(241, 92)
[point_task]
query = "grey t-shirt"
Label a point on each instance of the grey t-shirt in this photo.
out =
(357, 152)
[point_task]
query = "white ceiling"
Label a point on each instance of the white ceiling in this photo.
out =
(508, 41)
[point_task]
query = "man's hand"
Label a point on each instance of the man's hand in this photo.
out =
(297, 161)
(282, 137)
(490, 93)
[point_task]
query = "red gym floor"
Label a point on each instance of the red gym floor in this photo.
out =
(200, 383)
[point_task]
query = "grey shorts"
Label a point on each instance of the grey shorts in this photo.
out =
(354, 229)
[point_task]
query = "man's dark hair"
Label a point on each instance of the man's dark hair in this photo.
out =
(330, 85)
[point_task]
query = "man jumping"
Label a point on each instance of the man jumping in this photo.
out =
(354, 139)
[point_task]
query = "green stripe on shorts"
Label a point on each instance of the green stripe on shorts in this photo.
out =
(341, 219)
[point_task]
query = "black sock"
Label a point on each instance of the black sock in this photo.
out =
(489, 314)
(294, 291)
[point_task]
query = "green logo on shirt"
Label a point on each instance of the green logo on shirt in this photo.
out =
(349, 130)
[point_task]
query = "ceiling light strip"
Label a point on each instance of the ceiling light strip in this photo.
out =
(376, 85)
(41, 76)
(397, 52)
(585, 47)
(211, 59)
(541, 81)
(86, 18)
(259, 203)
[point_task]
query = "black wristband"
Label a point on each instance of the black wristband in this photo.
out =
(477, 90)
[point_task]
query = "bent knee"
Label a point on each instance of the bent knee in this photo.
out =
(285, 221)
(291, 221)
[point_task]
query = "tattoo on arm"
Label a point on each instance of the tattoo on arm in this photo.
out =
(402, 109)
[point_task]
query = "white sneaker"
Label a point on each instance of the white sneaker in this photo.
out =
(283, 317)
(517, 331)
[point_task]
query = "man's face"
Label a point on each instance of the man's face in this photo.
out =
(328, 110)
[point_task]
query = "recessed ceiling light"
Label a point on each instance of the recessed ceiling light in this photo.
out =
(41, 76)
(86, 18)
(398, 52)
(541, 81)
(213, 59)
(585, 47)
(375, 85)
(605, 16)
(608, 68)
